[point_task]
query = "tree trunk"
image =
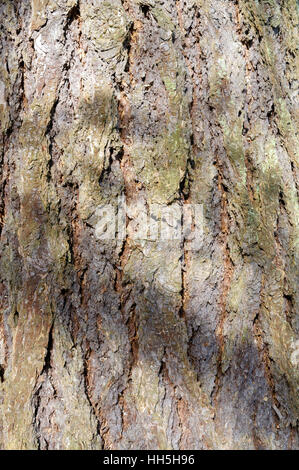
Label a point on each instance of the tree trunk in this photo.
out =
(142, 341)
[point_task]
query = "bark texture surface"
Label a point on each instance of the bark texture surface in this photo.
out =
(143, 344)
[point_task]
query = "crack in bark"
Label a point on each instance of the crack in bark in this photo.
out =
(15, 122)
(72, 15)
(280, 262)
(95, 407)
(45, 373)
(265, 356)
(2, 371)
(185, 186)
(124, 292)
(50, 136)
(226, 283)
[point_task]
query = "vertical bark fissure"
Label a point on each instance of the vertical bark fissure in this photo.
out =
(185, 186)
(44, 375)
(130, 190)
(50, 133)
(15, 122)
(265, 357)
(227, 276)
(257, 326)
(102, 428)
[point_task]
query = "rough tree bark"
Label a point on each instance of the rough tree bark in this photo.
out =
(143, 344)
